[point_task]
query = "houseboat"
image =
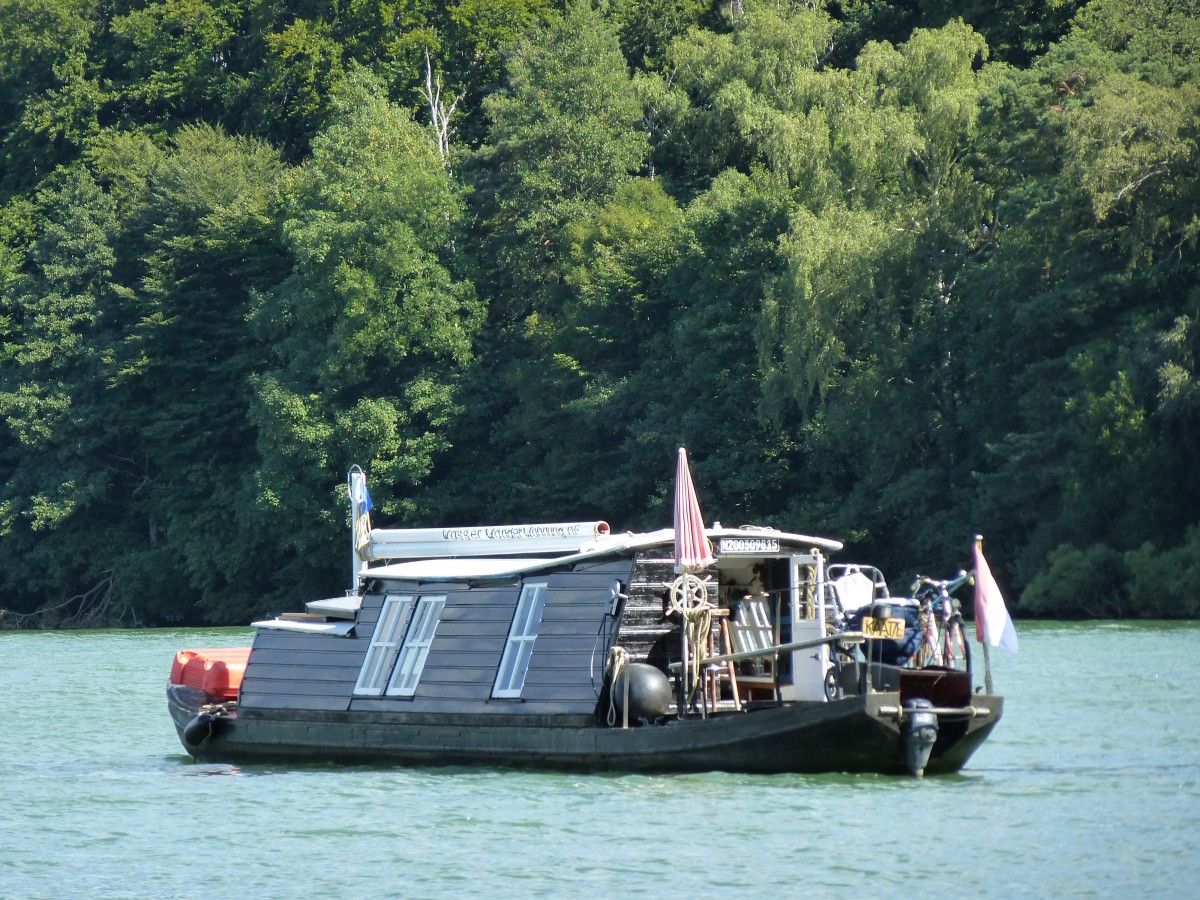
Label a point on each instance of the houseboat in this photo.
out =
(569, 646)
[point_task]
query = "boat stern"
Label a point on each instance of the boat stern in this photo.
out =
(202, 692)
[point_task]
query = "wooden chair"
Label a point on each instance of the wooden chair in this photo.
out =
(750, 630)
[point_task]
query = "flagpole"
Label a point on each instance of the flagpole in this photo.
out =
(987, 670)
(354, 561)
(360, 531)
(982, 571)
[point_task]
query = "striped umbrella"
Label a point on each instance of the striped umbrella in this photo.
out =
(692, 550)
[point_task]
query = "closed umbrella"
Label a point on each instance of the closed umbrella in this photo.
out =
(692, 551)
(689, 594)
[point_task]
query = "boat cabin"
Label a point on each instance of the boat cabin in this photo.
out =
(523, 620)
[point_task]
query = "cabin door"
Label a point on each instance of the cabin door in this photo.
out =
(809, 665)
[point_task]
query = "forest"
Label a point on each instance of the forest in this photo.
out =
(895, 272)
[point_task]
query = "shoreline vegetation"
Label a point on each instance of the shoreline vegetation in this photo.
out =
(894, 272)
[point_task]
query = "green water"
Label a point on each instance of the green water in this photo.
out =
(1090, 786)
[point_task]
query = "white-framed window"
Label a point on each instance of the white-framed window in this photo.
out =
(515, 663)
(411, 659)
(385, 644)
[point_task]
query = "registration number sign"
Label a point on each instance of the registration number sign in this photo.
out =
(891, 629)
(748, 545)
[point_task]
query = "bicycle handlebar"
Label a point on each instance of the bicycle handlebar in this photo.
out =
(949, 585)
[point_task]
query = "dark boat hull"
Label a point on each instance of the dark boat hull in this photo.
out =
(856, 734)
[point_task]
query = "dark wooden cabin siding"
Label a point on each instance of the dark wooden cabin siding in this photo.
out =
(567, 664)
(465, 652)
(314, 671)
(647, 634)
(571, 651)
(291, 670)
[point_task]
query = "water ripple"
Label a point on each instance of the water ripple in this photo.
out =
(1090, 787)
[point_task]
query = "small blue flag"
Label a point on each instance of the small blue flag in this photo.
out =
(359, 493)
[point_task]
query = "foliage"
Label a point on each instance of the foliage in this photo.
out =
(1089, 581)
(1163, 584)
(897, 271)
(368, 331)
(124, 396)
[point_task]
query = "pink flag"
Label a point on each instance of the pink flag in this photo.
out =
(691, 543)
(993, 625)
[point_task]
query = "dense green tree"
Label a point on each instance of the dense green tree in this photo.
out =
(700, 383)
(126, 391)
(647, 27)
(171, 57)
(581, 380)
(50, 99)
(1096, 274)
(900, 271)
(369, 332)
(565, 137)
(61, 446)
(295, 54)
(291, 90)
(857, 333)
(478, 37)
(209, 238)
(731, 99)
(1017, 32)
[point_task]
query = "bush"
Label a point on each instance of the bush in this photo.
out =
(1081, 583)
(1163, 583)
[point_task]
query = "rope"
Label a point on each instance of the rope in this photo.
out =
(616, 662)
(362, 535)
(689, 598)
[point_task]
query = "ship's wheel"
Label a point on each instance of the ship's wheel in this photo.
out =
(689, 593)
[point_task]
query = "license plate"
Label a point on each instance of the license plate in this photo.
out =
(892, 629)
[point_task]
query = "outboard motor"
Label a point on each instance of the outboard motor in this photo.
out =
(648, 690)
(920, 733)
